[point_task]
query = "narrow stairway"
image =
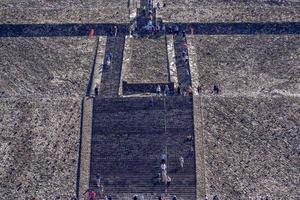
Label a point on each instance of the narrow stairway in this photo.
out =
(183, 69)
(110, 81)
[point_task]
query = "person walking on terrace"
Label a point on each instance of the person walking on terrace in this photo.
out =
(176, 30)
(158, 90)
(167, 91)
(116, 30)
(179, 89)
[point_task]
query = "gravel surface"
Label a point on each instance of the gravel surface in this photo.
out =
(45, 66)
(251, 147)
(231, 11)
(148, 61)
(248, 64)
(44, 11)
(39, 147)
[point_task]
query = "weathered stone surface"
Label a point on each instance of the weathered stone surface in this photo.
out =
(251, 146)
(148, 61)
(45, 66)
(248, 64)
(230, 11)
(43, 11)
(39, 147)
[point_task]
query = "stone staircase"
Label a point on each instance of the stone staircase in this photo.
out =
(183, 71)
(110, 81)
(130, 134)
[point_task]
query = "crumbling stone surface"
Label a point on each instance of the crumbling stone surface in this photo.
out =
(230, 11)
(251, 146)
(39, 147)
(148, 61)
(45, 66)
(248, 64)
(43, 11)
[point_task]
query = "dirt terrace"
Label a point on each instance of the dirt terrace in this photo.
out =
(45, 66)
(44, 11)
(148, 61)
(231, 11)
(39, 148)
(248, 64)
(251, 147)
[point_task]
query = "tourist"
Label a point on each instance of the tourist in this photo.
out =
(116, 30)
(190, 90)
(170, 31)
(109, 55)
(167, 91)
(163, 166)
(164, 5)
(163, 28)
(174, 197)
(199, 90)
(149, 4)
(144, 10)
(205, 197)
(168, 181)
(164, 177)
(142, 197)
(267, 197)
(96, 91)
(109, 197)
(186, 58)
(135, 197)
(158, 90)
(92, 195)
(183, 33)
(158, 5)
(163, 158)
(176, 30)
(98, 180)
(181, 162)
(159, 177)
(216, 89)
(179, 89)
(189, 138)
(215, 197)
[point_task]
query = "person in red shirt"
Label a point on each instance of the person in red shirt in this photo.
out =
(92, 195)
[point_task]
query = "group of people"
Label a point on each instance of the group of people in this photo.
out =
(185, 91)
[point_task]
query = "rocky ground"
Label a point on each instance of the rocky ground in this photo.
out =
(231, 11)
(39, 144)
(42, 82)
(248, 64)
(43, 11)
(148, 61)
(45, 66)
(251, 146)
